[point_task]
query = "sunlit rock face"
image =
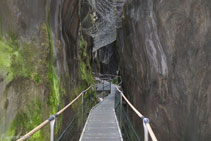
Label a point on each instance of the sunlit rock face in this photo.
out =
(165, 58)
(38, 62)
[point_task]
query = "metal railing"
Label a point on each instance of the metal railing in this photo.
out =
(75, 124)
(128, 131)
(105, 84)
(107, 78)
(123, 122)
(52, 118)
(104, 75)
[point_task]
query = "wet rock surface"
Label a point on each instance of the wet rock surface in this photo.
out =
(165, 56)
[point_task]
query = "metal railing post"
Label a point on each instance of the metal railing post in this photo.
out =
(52, 120)
(120, 112)
(146, 135)
(103, 85)
(110, 86)
(82, 109)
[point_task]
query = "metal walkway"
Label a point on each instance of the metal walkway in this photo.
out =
(102, 124)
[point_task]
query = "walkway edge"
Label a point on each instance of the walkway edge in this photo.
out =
(118, 125)
(85, 126)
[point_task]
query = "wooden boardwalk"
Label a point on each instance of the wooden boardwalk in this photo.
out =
(102, 124)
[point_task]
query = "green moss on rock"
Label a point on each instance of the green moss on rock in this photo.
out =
(23, 59)
(85, 71)
(26, 120)
(54, 100)
(19, 59)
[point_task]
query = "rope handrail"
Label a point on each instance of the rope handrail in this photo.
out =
(139, 115)
(44, 123)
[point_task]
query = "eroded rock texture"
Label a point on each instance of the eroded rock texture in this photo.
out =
(165, 58)
(39, 64)
(105, 60)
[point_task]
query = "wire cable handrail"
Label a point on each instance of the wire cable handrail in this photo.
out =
(44, 123)
(145, 120)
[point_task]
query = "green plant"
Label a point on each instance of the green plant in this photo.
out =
(115, 80)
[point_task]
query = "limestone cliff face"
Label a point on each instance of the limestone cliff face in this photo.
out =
(39, 63)
(165, 58)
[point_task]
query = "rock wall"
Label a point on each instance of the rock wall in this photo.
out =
(41, 66)
(165, 57)
(105, 60)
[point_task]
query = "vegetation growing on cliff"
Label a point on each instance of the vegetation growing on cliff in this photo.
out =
(22, 59)
(85, 80)
(26, 120)
(85, 70)
(18, 59)
(54, 99)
